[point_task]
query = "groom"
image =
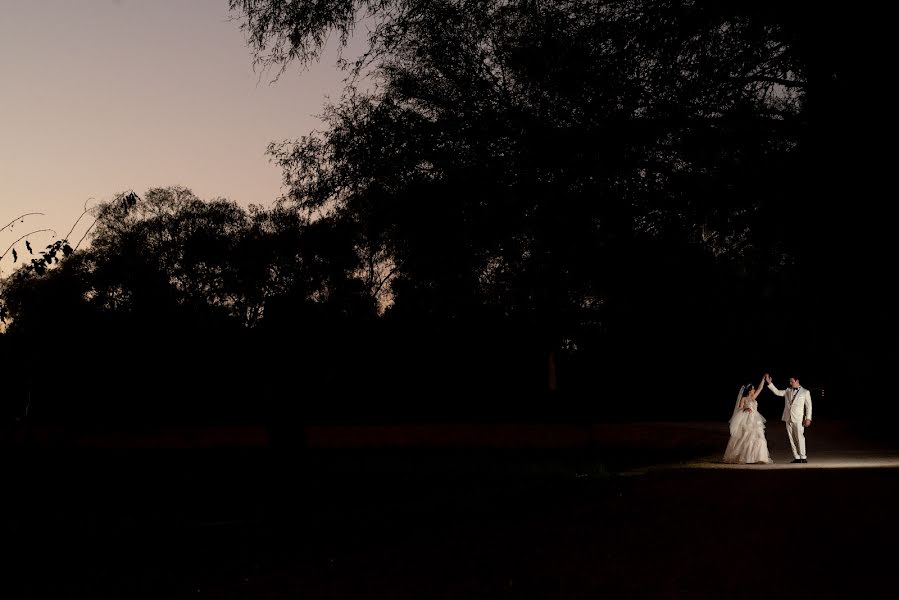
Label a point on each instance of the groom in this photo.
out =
(797, 415)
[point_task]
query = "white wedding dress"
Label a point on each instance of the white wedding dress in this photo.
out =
(747, 443)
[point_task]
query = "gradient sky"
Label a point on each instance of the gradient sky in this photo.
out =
(103, 96)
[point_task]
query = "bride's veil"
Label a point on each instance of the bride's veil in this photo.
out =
(733, 417)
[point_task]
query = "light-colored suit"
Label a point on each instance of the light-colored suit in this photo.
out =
(797, 408)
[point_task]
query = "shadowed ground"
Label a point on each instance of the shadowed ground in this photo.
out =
(622, 511)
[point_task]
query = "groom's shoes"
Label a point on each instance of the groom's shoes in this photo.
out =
(803, 460)
(796, 460)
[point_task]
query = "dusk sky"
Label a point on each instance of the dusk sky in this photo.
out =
(103, 96)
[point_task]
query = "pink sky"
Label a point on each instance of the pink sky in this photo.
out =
(102, 96)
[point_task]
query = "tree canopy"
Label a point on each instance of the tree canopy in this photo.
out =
(510, 188)
(505, 156)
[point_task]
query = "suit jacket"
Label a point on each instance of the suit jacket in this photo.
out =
(797, 403)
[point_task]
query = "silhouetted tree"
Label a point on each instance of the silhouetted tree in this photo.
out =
(172, 292)
(170, 253)
(504, 157)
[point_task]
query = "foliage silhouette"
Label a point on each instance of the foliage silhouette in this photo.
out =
(512, 156)
(511, 197)
(164, 305)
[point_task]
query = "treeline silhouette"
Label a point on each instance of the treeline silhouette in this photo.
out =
(543, 211)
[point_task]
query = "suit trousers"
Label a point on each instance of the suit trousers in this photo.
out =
(796, 433)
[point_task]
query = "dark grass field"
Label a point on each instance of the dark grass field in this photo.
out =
(605, 519)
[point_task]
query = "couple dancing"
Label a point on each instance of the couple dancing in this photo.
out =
(747, 443)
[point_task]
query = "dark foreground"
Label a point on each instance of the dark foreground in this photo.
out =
(444, 523)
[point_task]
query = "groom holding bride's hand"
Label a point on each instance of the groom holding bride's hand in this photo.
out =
(797, 415)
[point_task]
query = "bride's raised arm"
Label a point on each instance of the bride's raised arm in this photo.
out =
(758, 389)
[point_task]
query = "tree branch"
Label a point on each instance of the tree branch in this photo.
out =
(5, 252)
(19, 218)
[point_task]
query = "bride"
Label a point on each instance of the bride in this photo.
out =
(747, 443)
